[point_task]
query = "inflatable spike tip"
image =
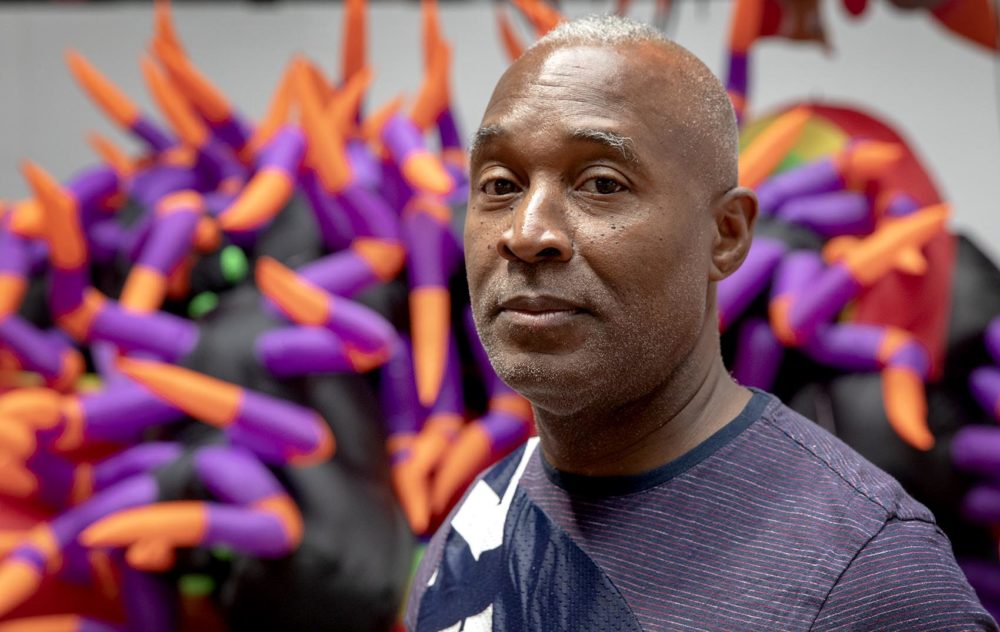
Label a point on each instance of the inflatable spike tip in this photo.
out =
(411, 489)
(906, 407)
(324, 451)
(211, 400)
(18, 581)
(429, 309)
(300, 300)
(425, 172)
(469, 455)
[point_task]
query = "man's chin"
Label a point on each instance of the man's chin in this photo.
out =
(559, 383)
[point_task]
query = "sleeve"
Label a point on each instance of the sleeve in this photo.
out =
(429, 562)
(903, 578)
(418, 585)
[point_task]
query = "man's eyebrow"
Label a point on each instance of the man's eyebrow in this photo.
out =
(608, 138)
(483, 135)
(614, 140)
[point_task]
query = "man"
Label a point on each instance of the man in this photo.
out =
(660, 495)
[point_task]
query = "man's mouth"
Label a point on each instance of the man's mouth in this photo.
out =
(539, 310)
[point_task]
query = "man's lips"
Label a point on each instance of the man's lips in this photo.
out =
(539, 303)
(539, 309)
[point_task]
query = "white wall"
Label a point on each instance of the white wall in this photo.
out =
(939, 91)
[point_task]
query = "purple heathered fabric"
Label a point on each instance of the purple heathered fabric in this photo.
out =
(780, 527)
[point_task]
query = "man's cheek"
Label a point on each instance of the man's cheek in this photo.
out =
(479, 268)
(480, 256)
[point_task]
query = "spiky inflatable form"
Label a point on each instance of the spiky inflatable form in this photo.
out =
(238, 358)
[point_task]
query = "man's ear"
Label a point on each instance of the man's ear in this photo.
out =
(734, 213)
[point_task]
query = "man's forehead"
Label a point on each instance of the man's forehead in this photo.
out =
(658, 95)
(582, 73)
(627, 84)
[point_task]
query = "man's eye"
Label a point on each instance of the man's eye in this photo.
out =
(500, 186)
(603, 186)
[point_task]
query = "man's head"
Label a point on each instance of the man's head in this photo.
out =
(603, 208)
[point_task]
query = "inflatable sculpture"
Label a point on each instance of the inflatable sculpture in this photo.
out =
(239, 361)
(897, 358)
(860, 308)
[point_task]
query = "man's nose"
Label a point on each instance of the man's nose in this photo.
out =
(538, 230)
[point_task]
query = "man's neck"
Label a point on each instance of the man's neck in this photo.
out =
(698, 400)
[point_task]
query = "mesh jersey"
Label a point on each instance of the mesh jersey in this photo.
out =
(770, 524)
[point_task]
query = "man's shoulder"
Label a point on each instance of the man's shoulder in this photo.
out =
(825, 461)
(475, 516)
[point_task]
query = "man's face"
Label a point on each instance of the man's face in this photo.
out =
(588, 237)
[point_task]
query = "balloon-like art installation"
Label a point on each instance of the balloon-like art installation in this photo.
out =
(238, 372)
(190, 341)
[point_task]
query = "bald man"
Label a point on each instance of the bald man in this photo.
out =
(660, 494)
